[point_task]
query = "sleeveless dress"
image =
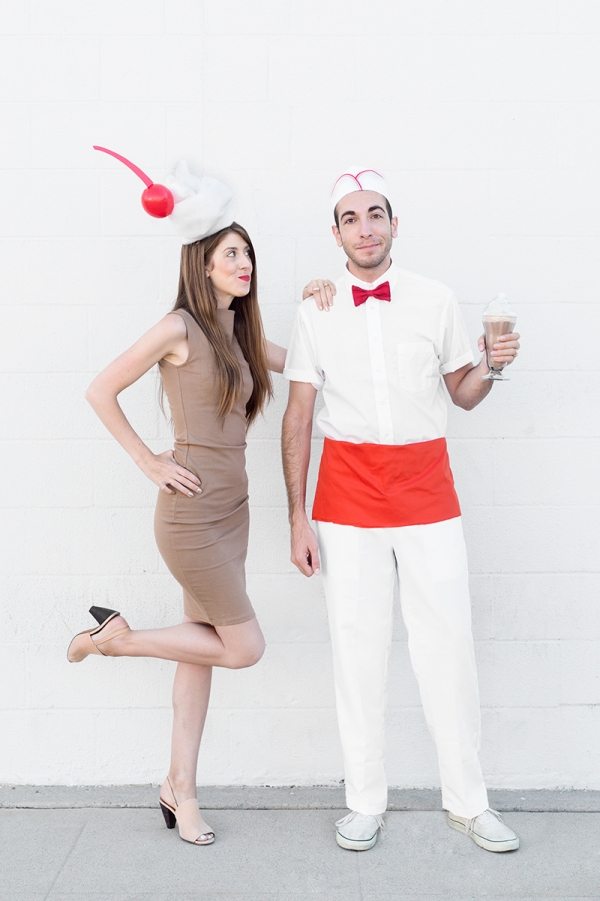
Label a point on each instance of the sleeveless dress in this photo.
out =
(204, 539)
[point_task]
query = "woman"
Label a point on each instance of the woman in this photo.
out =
(214, 363)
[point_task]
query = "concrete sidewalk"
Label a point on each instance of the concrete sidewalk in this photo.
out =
(127, 854)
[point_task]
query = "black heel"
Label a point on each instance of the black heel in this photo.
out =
(168, 815)
(102, 614)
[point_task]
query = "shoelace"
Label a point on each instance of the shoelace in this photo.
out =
(354, 814)
(471, 822)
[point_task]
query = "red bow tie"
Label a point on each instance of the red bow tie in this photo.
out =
(381, 292)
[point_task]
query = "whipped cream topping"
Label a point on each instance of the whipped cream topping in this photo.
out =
(499, 306)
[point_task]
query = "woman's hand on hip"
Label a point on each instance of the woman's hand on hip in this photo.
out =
(169, 476)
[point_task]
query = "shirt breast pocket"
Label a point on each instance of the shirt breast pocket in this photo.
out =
(418, 366)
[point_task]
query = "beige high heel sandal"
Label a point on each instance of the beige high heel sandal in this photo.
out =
(83, 645)
(192, 827)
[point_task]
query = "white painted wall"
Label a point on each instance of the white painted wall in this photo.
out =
(485, 117)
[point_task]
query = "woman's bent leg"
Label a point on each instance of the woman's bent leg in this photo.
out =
(233, 647)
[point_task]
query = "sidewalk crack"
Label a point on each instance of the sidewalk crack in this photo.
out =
(65, 861)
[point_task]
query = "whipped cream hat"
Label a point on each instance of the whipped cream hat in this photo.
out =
(196, 207)
(357, 178)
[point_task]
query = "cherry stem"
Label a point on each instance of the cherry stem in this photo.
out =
(147, 181)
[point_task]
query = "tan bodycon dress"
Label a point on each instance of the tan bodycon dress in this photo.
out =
(204, 539)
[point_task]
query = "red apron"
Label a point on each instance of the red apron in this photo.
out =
(382, 486)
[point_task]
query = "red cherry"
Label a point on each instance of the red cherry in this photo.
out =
(158, 201)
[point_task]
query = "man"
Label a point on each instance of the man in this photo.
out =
(385, 503)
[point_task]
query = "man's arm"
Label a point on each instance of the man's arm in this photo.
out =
(295, 444)
(466, 386)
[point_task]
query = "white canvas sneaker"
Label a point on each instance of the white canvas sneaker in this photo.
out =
(488, 830)
(358, 831)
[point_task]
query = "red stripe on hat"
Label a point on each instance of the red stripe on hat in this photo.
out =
(349, 175)
(355, 177)
(362, 172)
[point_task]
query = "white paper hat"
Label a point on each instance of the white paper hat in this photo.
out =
(197, 207)
(358, 178)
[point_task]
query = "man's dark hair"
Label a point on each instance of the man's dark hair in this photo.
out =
(388, 207)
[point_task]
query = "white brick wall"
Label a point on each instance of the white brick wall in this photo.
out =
(485, 118)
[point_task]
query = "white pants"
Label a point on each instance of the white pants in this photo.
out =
(359, 567)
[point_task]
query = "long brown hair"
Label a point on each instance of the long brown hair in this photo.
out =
(196, 296)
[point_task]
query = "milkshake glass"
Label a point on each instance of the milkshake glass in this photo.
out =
(498, 319)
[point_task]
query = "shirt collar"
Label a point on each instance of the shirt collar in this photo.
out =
(390, 275)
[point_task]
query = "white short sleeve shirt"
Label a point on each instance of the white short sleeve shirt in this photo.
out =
(379, 365)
